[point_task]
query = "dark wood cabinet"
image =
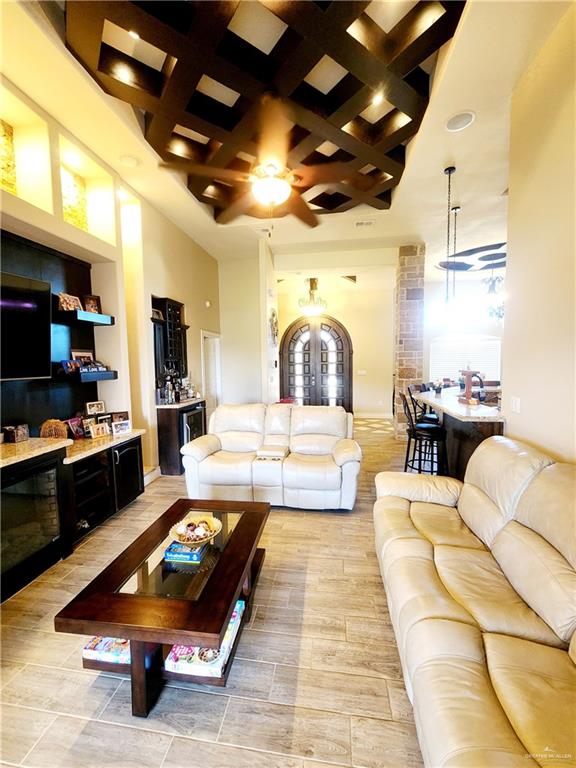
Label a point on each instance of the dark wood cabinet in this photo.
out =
(178, 425)
(103, 484)
(170, 346)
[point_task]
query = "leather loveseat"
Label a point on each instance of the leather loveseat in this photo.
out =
(294, 456)
(481, 586)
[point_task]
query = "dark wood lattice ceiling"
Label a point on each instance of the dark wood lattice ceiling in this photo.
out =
(196, 71)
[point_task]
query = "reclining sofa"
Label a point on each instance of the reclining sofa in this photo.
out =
(481, 586)
(293, 456)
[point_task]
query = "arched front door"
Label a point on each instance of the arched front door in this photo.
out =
(316, 362)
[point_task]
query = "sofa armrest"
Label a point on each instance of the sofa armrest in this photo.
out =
(429, 488)
(346, 450)
(201, 447)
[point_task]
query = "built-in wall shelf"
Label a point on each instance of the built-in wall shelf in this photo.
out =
(73, 316)
(84, 377)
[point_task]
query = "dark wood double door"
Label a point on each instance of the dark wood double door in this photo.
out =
(316, 362)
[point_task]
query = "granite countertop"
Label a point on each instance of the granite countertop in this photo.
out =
(448, 403)
(12, 453)
(80, 449)
(182, 403)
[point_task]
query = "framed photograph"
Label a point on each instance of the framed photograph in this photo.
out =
(93, 304)
(157, 315)
(70, 366)
(67, 303)
(75, 427)
(120, 416)
(120, 427)
(83, 356)
(106, 419)
(95, 408)
(99, 430)
(87, 425)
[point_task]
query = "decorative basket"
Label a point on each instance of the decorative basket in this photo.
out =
(53, 428)
(213, 525)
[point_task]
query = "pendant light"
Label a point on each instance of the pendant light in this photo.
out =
(455, 210)
(312, 304)
(448, 171)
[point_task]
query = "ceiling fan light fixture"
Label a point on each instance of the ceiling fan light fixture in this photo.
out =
(271, 190)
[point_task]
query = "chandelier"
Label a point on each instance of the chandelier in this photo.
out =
(312, 304)
(495, 296)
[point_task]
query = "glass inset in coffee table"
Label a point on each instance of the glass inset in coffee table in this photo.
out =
(155, 604)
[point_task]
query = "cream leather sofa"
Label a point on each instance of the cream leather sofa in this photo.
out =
(481, 585)
(294, 456)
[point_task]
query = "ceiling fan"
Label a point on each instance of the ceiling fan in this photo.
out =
(271, 183)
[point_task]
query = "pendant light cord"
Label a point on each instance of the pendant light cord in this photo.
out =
(456, 210)
(447, 171)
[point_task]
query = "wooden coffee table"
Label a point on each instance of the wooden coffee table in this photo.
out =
(154, 605)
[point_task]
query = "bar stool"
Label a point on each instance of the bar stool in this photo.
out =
(421, 412)
(428, 444)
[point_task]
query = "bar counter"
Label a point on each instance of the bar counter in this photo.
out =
(466, 426)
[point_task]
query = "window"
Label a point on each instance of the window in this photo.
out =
(451, 354)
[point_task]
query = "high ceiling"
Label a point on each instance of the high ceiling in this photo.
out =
(349, 75)
(476, 70)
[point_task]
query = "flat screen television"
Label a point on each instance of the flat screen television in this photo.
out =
(25, 317)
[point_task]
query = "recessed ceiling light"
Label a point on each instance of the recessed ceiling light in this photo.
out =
(460, 121)
(123, 72)
(129, 161)
(134, 35)
(378, 99)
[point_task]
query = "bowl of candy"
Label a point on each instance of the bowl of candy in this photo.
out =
(194, 530)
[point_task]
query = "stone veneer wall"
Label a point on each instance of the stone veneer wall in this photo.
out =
(409, 328)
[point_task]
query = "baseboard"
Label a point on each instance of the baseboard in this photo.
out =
(372, 415)
(152, 473)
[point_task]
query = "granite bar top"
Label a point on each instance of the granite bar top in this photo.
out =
(447, 402)
(80, 449)
(12, 453)
(182, 403)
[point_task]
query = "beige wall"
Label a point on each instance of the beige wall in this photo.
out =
(540, 330)
(268, 345)
(240, 316)
(366, 309)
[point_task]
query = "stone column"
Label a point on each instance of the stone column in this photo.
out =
(409, 327)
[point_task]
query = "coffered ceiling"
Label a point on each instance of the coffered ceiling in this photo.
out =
(353, 77)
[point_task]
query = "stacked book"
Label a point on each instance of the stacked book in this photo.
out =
(182, 553)
(114, 650)
(206, 662)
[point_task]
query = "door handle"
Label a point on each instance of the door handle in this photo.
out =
(116, 458)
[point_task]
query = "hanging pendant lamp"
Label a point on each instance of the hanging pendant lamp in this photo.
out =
(455, 210)
(448, 171)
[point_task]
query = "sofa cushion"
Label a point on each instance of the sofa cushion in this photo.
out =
(277, 424)
(536, 686)
(392, 521)
(489, 498)
(459, 719)
(530, 563)
(476, 582)
(316, 473)
(239, 427)
(432, 488)
(548, 507)
(227, 468)
(442, 525)
(315, 429)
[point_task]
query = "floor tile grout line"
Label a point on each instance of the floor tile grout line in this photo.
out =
(223, 719)
(40, 737)
(167, 750)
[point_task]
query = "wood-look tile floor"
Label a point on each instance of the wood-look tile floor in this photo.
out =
(316, 680)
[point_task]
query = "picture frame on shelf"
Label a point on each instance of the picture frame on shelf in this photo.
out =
(120, 416)
(76, 427)
(95, 408)
(99, 430)
(92, 304)
(121, 427)
(84, 356)
(105, 419)
(70, 366)
(87, 424)
(69, 303)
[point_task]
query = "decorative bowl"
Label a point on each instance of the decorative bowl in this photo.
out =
(195, 530)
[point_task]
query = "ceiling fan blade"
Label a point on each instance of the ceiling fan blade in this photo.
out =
(197, 169)
(274, 127)
(235, 209)
(310, 175)
(300, 208)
